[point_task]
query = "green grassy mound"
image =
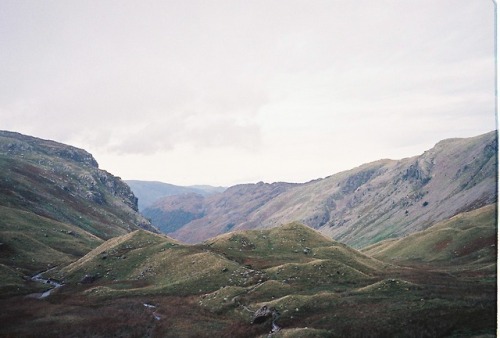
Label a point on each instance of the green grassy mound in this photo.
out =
(467, 238)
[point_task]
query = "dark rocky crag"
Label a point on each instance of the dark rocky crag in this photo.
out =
(64, 183)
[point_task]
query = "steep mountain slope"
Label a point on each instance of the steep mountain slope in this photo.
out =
(467, 238)
(56, 205)
(172, 212)
(148, 192)
(376, 201)
(226, 211)
(390, 199)
(64, 183)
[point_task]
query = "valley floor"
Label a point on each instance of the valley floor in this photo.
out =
(412, 301)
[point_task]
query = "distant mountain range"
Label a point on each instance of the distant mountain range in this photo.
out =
(376, 201)
(149, 192)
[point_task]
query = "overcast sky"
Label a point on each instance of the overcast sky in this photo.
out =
(241, 91)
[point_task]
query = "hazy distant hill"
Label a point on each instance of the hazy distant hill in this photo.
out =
(231, 207)
(149, 192)
(376, 201)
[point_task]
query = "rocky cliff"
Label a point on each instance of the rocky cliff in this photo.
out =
(65, 184)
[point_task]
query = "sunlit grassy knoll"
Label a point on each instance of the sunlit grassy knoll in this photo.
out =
(163, 266)
(118, 248)
(388, 286)
(354, 258)
(317, 273)
(262, 249)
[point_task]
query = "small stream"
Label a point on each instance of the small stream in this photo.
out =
(53, 284)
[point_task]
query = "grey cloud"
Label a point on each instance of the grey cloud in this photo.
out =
(194, 130)
(135, 77)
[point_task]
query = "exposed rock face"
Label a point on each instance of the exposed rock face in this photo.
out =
(263, 314)
(376, 201)
(65, 183)
(19, 144)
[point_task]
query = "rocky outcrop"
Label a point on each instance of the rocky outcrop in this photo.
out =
(64, 183)
(18, 144)
(264, 314)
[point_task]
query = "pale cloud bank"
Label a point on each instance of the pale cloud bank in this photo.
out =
(225, 92)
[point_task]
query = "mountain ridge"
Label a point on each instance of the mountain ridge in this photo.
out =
(65, 183)
(149, 192)
(375, 201)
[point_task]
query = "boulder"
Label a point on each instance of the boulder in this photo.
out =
(88, 279)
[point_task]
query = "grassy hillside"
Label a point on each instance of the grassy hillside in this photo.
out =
(145, 284)
(161, 265)
(467, 238)
(56, 205)
(30, 243)
(146, 263)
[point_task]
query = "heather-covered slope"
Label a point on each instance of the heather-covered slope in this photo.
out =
(376, 201)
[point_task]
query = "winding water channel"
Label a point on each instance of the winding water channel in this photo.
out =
(53, 284)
